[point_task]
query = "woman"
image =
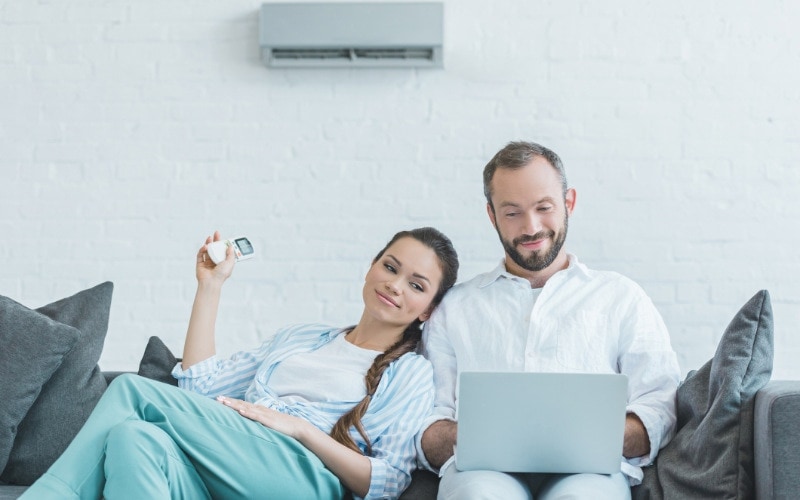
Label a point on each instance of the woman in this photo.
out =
(314, 412)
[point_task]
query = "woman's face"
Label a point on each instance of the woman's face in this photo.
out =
(401, 284)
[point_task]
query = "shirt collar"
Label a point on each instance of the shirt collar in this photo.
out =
(574, 266)
(332, 334)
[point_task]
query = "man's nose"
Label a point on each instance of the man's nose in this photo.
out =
(533, 223)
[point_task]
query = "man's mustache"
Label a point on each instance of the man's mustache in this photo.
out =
(525, 238)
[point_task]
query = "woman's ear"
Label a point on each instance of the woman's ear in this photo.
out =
(427, 314)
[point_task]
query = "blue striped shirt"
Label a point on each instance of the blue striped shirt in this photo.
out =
(401, 402)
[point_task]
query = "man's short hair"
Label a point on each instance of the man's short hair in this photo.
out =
(517, 154)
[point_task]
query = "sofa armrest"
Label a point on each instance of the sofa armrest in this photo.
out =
(777, 440)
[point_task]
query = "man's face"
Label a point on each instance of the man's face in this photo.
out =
(531, 214)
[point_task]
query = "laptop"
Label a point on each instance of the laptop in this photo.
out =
(541, 422)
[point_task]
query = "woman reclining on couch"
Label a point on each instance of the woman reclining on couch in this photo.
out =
(314, 412)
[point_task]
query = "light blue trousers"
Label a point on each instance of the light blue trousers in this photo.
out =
(147, 439)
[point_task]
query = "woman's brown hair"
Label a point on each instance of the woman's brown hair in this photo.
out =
(448, 263)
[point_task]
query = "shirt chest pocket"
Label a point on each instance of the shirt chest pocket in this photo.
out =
(582, 342)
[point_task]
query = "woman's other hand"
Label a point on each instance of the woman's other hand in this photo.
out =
(285, 424)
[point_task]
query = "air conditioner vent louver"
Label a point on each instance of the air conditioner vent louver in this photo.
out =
(422, 54)
(310, 54)
(351, 34)
(334, 57)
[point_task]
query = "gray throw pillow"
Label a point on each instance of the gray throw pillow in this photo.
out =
(157, 362)
(71, 393)
(711, 456)
(33, 347)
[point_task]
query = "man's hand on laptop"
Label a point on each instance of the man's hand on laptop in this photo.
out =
(637, 441)
(438, 442)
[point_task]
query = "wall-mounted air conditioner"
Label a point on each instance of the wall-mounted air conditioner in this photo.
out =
(351, 34)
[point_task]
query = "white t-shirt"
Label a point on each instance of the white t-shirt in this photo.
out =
(334, 372)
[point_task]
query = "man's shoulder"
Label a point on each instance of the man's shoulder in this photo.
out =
(604, 277)
(603, 286)
(470, 287)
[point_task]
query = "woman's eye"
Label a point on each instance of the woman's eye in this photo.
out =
(390, 268)
(417, 287)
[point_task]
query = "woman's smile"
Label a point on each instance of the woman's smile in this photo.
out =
(386, 299)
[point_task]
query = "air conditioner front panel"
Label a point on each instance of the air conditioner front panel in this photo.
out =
(357, 34)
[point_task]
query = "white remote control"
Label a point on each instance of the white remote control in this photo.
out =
(241, 247)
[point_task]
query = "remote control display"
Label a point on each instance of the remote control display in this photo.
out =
(241, 247)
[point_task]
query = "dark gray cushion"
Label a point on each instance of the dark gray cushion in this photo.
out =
(32, 347)
(157, 362)
(69, 396)
(424, 485)
(11, 492)
(711, 456)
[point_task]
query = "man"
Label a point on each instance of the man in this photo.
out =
(541, 310)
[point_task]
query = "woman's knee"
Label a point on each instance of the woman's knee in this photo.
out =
(132, 388)
(127, 380)
(125, 383)
(134, 435)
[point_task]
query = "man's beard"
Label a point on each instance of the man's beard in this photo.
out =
(537, 260)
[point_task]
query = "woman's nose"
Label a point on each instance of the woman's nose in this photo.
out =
(392, 286)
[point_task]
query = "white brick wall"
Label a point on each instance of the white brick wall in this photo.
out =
(130, 130)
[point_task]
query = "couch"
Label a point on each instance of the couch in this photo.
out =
(776, 440)
(738, 431)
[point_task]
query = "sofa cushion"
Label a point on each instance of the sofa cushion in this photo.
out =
(711, 456)
(424, 485)
(33, 347)
(157, 362)
(70, 394)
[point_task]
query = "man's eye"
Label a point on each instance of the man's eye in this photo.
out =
(546, 208)
(512, 214)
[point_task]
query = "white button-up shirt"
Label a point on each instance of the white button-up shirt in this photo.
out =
(580, 321)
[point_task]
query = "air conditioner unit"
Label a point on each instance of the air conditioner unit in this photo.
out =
(353, 35)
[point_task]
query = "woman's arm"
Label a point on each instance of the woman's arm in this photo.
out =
(199, 344)
(352, 468)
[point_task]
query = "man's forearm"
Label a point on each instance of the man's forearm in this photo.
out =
(438, 441)
(637, 441)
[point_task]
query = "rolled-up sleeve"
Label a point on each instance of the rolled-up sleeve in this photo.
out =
(651, 365)
(440, 352)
